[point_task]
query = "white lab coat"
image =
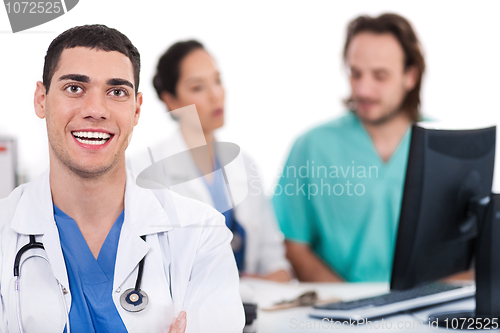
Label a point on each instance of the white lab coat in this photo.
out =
(265, 252)
(189, 263)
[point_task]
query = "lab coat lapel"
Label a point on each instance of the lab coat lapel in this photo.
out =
(144, 215)
(35, 216)
(131, 249)
(52, 246)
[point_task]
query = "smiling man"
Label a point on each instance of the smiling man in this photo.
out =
(339, 197)
(84, 246)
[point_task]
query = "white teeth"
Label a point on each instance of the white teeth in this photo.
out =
(89, 138)
(89, 142)
(92, 135)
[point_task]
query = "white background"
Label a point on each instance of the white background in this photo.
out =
(280, 61)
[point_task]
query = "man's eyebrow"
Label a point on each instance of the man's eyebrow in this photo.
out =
(381, 70)
(119, 82)
(75, 77)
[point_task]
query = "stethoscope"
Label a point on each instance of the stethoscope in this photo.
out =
(132, 300)
(135, 299)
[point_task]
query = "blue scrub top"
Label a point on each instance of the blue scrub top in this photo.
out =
(90, 280)
(339, 197)
(217, 189)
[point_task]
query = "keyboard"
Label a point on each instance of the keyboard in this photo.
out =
(394, 302)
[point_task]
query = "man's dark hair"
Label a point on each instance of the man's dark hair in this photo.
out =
(402, 30)
(96, 36)
(168, 70)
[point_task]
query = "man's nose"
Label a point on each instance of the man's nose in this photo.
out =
(363, 86)
(95, 107)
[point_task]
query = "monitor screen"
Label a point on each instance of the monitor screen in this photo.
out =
(449, 174)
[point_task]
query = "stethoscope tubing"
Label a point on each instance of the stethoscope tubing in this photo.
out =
(18, 292)
(31, 245)
(36, 245)
(18, 306)
(140, 272)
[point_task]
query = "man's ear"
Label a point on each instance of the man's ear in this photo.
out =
(39, 100)
(138, 105)
(411, 77)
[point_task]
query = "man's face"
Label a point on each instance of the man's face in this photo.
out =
(379, 82)
(91, 110)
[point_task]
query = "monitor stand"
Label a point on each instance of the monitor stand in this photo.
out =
(487, 267)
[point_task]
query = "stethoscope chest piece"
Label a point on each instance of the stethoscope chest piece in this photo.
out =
(134, 300)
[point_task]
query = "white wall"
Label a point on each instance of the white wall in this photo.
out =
(280, 61)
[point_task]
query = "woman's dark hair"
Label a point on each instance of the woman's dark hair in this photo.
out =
(96, 36)
(402, 30)
(169, 66)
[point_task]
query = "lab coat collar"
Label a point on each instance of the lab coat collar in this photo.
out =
(143, 211)
(34, 214)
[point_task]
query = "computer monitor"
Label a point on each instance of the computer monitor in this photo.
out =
(447, 210)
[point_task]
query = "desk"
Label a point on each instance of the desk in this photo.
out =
(292, 320)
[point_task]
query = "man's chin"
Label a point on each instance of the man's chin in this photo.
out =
(378, 120)
(89, 173)
(92, 172)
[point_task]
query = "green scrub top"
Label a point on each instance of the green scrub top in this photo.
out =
(338, 196)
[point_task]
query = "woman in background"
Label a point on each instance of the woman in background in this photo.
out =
(187, 74)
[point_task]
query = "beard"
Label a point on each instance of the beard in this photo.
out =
(382, 120)
(85, 172)
(94, 171)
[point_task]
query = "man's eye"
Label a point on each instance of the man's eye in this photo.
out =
(74, 89)
(381, 76)
(355, 75)
(119, 93)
